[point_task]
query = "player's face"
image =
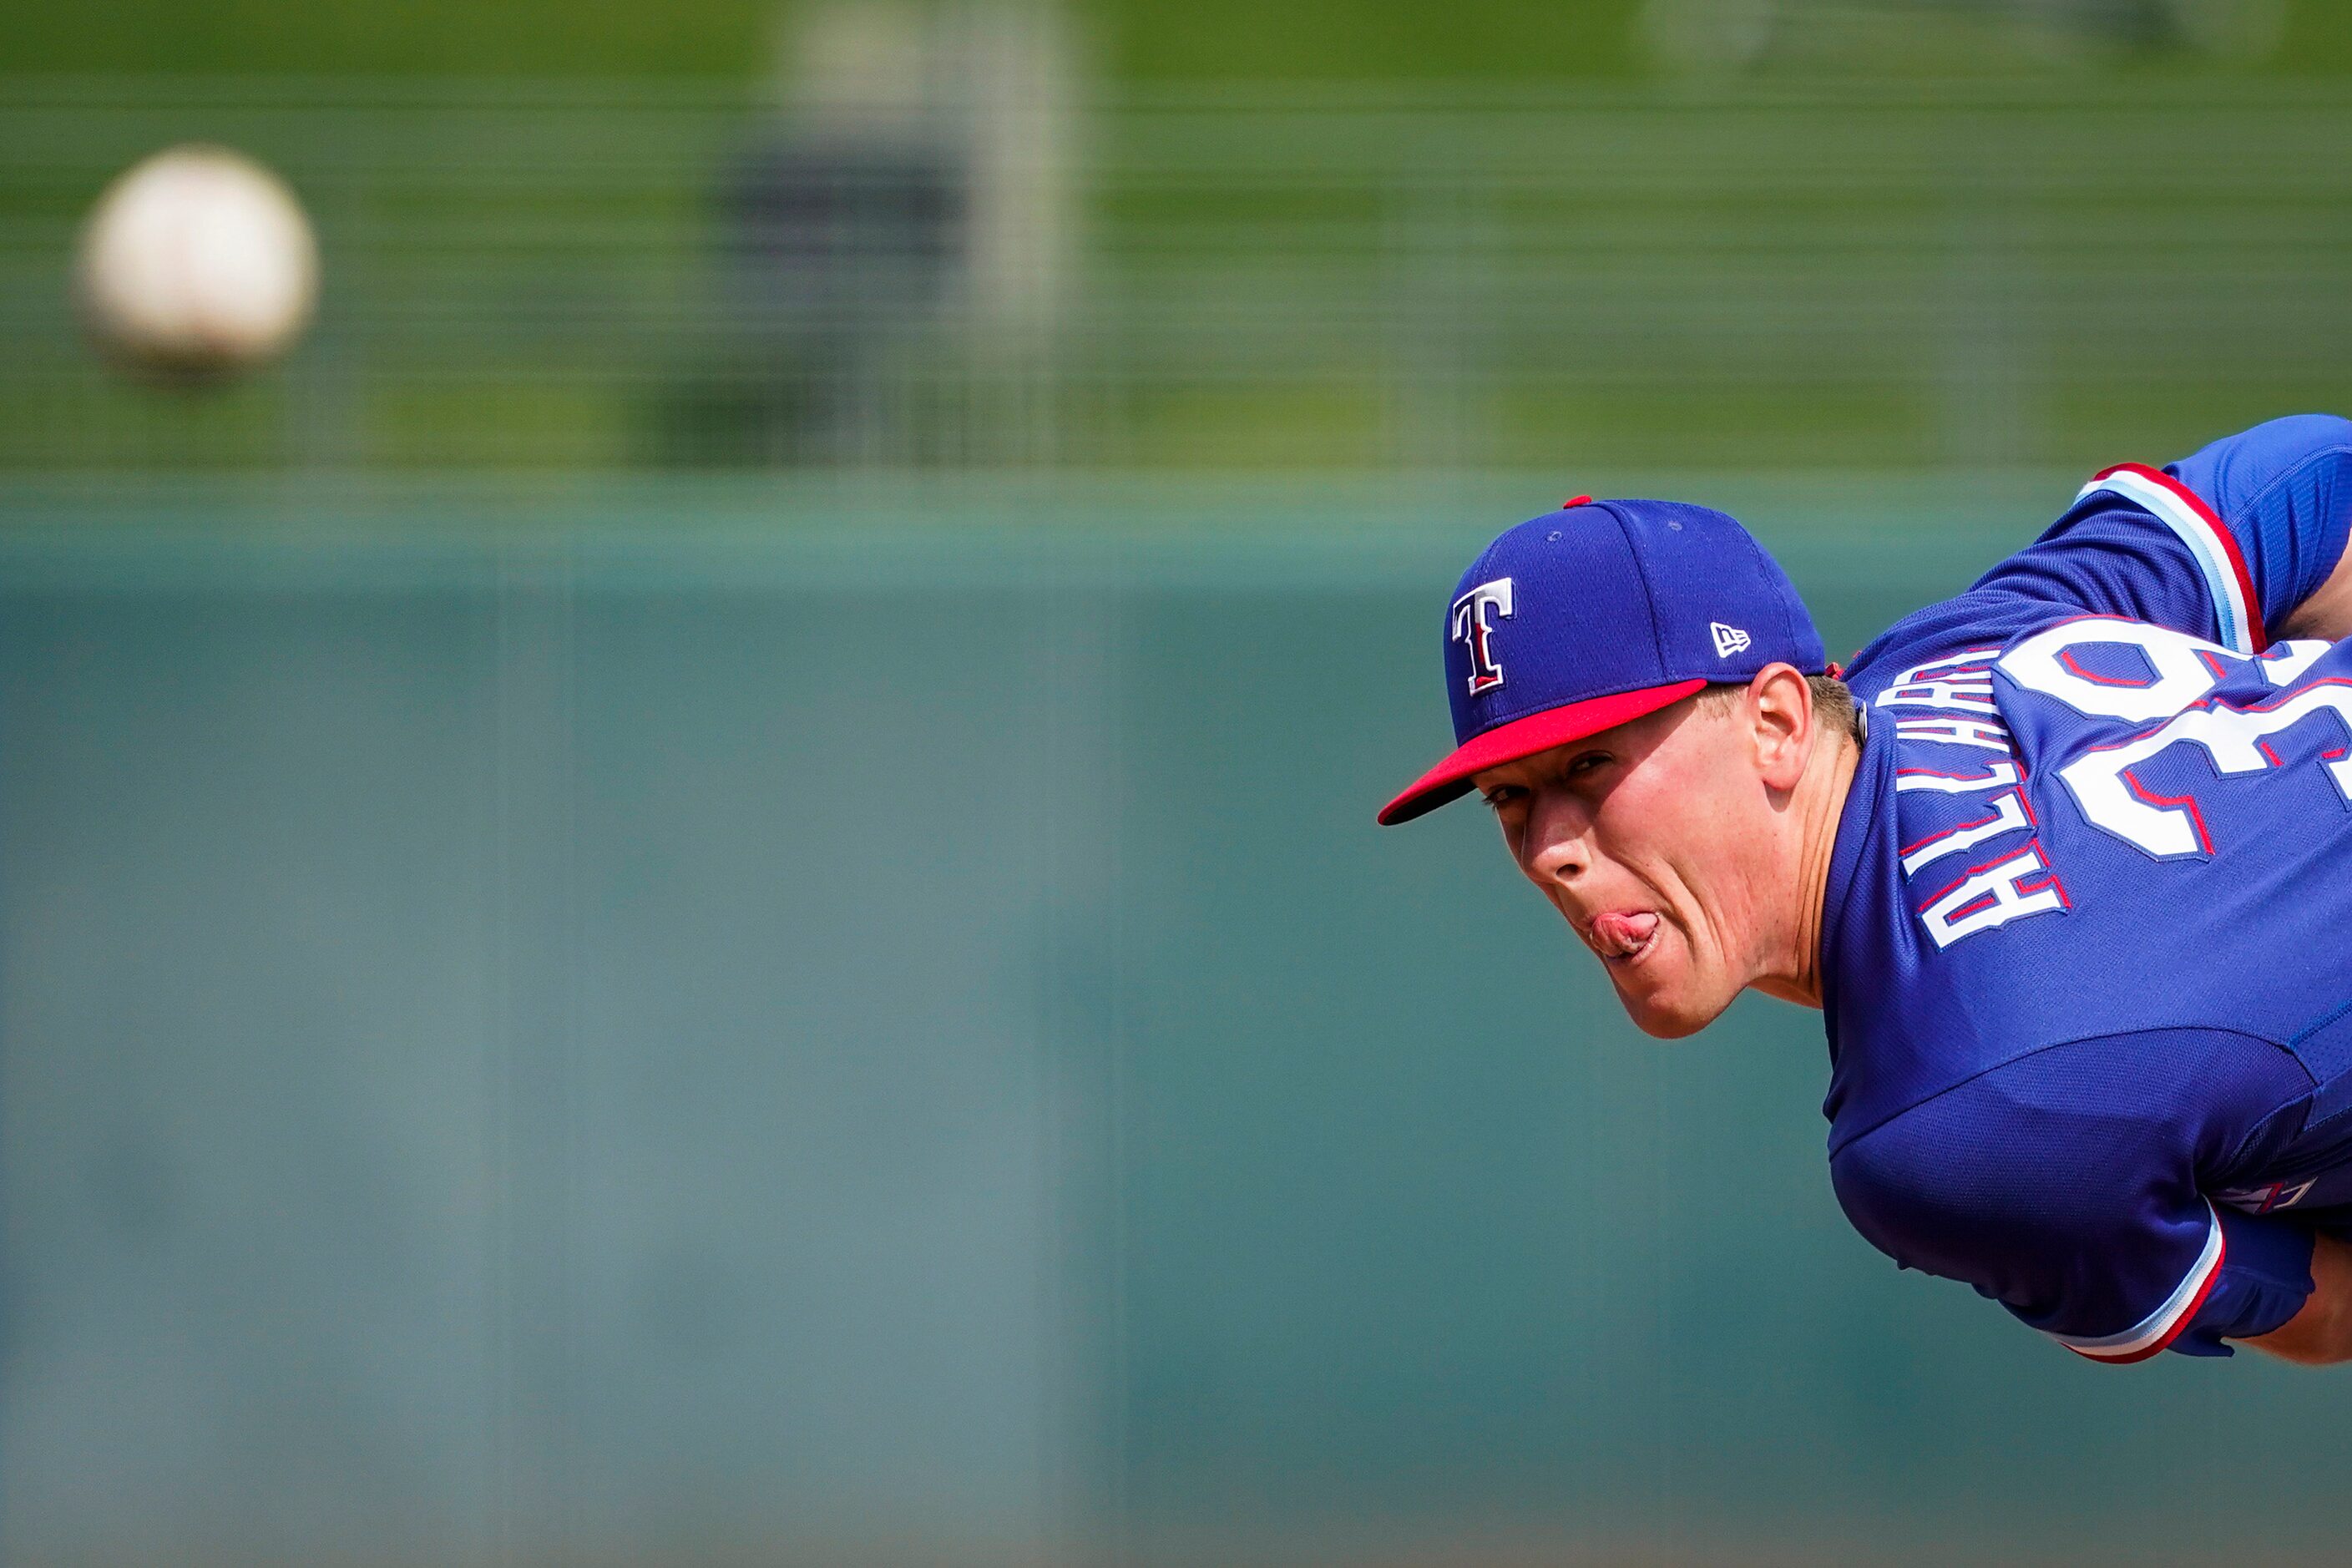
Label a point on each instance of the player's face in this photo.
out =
(1648, 839)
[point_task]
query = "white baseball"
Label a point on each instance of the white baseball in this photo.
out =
(197, 259)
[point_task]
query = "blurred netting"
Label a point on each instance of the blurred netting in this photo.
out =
(553, 279)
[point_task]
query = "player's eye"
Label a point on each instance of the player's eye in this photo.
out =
(1502, 795)
(1585, 762)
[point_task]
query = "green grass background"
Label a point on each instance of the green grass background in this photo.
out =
(1138, 41)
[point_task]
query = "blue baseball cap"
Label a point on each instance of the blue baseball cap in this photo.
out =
(1597, 614)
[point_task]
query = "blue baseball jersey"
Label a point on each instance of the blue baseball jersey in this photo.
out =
(2087, 938)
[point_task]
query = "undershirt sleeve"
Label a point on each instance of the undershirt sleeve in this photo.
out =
(2069, 1185)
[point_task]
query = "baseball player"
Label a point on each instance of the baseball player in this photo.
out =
(2065, 862)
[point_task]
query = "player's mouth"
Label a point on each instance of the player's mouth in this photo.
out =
(1621, 937)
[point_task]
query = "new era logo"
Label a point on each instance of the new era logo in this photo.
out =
(1728, 640)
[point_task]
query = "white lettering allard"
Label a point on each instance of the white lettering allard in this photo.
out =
(1957, 692)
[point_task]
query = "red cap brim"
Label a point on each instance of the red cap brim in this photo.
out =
(1450, 780)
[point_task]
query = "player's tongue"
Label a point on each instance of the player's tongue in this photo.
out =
(1618, 935)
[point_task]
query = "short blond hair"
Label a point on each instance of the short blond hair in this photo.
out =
(1833, 702)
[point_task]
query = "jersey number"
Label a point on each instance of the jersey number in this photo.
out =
(2102, 782)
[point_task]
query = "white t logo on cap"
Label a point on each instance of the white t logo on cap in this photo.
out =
(1468, 625)
(1728, 640)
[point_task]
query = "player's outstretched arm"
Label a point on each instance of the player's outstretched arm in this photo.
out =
(2321, 1333)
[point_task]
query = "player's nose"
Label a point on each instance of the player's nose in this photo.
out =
(1558, 842)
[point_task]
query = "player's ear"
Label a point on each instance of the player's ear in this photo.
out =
(1781, 711)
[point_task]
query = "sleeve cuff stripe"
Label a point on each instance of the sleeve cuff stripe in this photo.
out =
(2180, 508)
(2161, 1327)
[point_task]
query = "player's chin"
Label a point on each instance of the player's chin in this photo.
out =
(1665, 1020)
(1665, 996)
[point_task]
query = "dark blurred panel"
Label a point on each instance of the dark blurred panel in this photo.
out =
(839, 253)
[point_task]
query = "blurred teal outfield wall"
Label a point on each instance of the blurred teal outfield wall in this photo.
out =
(622, 1029)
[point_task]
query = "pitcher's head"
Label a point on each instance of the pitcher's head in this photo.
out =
(1638, 693)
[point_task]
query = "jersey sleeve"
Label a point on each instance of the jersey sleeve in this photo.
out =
(2070, 1187)
(2222, 545)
